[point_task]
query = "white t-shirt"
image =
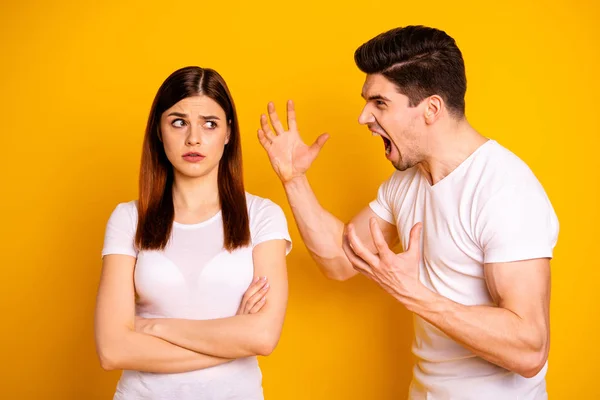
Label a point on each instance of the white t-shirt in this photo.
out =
(490, 209)
(194, 278)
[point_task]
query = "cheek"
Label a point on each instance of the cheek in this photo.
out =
(394, 128)
(402, 129)
(216, 139)
(171, 144)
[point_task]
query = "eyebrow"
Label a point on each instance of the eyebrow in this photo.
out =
(375, 97)
(182, 115)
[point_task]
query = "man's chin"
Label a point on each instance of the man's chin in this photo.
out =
(400, 165)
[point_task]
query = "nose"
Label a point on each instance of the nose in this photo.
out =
(365, 116)
(193, 137)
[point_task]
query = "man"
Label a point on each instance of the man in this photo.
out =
(477, 227)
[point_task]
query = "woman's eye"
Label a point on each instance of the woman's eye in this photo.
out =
(211, 124)
(178, 123)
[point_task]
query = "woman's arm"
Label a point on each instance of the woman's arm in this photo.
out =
(118, 345)
(240, 335)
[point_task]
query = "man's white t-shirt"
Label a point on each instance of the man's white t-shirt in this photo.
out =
(194, 278)
(490, 209)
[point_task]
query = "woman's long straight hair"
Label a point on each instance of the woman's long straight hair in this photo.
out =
(155, 204)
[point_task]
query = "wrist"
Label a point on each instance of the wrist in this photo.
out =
(294, 182)
(422, 301)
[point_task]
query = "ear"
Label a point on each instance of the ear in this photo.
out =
(228, 132)
(433, 108)
(159, 134)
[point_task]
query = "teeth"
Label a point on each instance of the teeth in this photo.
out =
(388, 150)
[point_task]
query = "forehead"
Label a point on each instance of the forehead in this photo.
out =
(200, 104)
(377, 84)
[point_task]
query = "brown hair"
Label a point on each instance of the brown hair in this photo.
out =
(420, 61)
(155, 205)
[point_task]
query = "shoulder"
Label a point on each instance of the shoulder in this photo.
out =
(120, 230)
(267, 221)
(126, 209)
(509, 185)
(499, 173)
(124, 215)
(393, 192)
(260, 205)
(504, 168)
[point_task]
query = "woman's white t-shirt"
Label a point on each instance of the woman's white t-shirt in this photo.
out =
(194, 278)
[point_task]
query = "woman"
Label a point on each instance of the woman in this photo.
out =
(181, 304)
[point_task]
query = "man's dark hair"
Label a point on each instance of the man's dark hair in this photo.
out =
(421, 61)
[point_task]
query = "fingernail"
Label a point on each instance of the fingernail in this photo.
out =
(264, 278)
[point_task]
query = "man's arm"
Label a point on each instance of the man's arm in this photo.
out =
(516, 333)
(322, 233)
(240, 335)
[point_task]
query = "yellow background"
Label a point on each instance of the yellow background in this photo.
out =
(76, 86)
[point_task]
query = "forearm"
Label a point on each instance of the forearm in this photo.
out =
(321, 232)
(140, 352)
(233, 337)
(493, 333)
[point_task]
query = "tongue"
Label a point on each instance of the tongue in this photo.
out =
(386, 144)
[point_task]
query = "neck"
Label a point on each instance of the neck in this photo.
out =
(195, 199)
(452, 144)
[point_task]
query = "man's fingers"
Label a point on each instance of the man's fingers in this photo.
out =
(360, 249)
(262, 138)
(266, 128)
(275, 119)
(319, 143)
(357, 263)
(414, 241)
(380, 244)
(291, 116)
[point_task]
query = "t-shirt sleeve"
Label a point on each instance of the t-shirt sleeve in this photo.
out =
(268, 222)
(382, 205)
(518, 223)
(119, 237)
